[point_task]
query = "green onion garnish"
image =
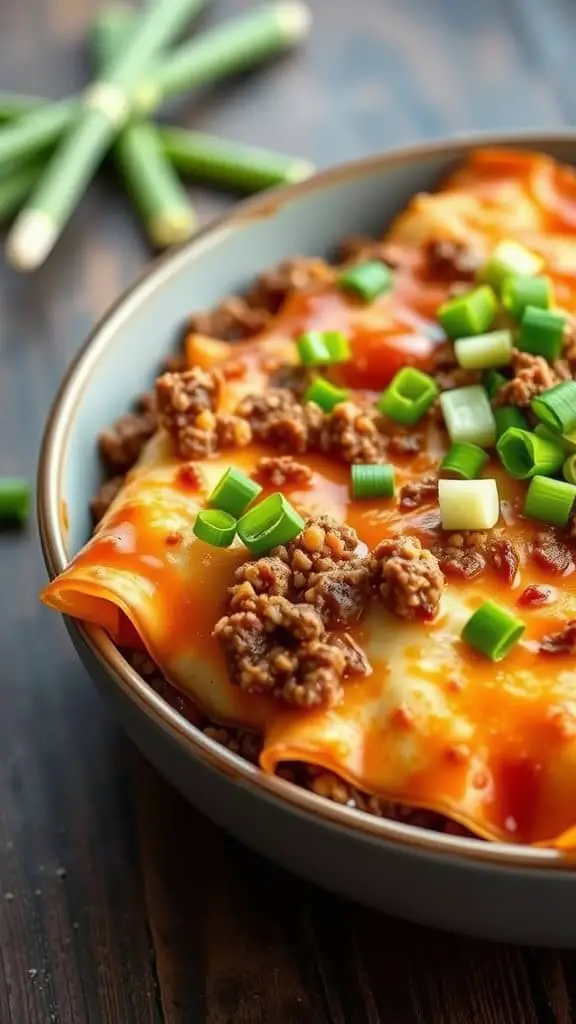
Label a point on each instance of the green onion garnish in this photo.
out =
(524, 454)
(492, 381)
(507, 258)
(14, 499)
(569, 469)
(520, 291)
(493, 630)
(542, 333)
(484, 350)
(408, 396)
(468, 416)
(463, 461)
(319, 348)
(367, 280)
(471, 313)
(325, 394)
(509, 416)
(234, 492)
(556, 408)
(372, 481)
(273, 521)
(549, 500)
(215, 527)
(468, 504)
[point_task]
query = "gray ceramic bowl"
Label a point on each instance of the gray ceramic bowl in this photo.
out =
(492, 890)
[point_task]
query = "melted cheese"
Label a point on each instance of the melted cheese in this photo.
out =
(435, 725)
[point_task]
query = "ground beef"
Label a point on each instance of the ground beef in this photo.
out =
(446, 371)
(246, 744)
(463, 555)
(562, 642)
(232, 431)
(419, 492)
(340, 595)
(360, 248)
(267, 575)
(104, 497)
(351, 434)
(403, 444)
(322, 546)
(535, 595)
(232, 319)
(504, 559)
(552, 554)
(296, 379)
(273, 287)
(450, 261)
(282, 470)
(278, 419)
(121, 444)
(356, 661)
(407, 577)
(187, 404)
(532, 376)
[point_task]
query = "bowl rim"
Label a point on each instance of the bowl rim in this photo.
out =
(52, 526)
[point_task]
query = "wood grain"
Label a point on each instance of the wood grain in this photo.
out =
(118, 903)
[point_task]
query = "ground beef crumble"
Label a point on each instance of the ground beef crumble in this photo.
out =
(351, 434)
(408, 578)
(532, 376)
(121, 444)
(187, 409)
(419, 492)
(550, 553)
(278, 419)
(562, 642)
(463, 555)
(282, 470)
(105, 496)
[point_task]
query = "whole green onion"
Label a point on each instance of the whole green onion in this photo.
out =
(325, 394)
(509, 258)
(234, 492)
(556, 408)
(493, 630)
(15, 105)
(366, 280)
(542, 332)
(215, 527)
(472, 313)
(16, 185)
(463, 461)
(569, 469)
(14, 499)
(524, 454)
(372, 481)
(492, 381)
(506, 416)
(34, 133)
(520, 291)
(272, 522)
(319, 348)
(549, 500)
(468, 416)
(481, 351)
(408, 396)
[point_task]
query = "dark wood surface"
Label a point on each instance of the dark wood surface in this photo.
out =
(118, 903)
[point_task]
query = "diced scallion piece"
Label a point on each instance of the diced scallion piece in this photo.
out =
(408, 396)
(524, 454)
(271, 522)
(234, 492)
(366, 280)
(507, 258)
(549, 500)
(463, 462)
(542, 333)
(14, 499)
(472, 313)
(569, 469)
(325, 394)
(493, 630)
(520, 291)
(492, 381)
(482, 351)
(468, 416)
(468, 504)
(319, 348)
(509, 416)
(373, 481)
(556, 408)
(215, 527)
(567, 441)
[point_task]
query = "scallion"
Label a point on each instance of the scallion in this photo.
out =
(524, 454)
(507, 416)
(463, 461)
(482, 351)
(468, 504)
(493, 630)
(408, 396)
(215, 527)
(272, 522)
(319, 348)
(520, 291)
(14, 499)
(556, 408)
(366, 280)
(234, 492)
(549, 500)
(569, 469)
(492, 381)
(508, 258)
(471, 313)
(372, 481)
(325, 394)
(542, 333)
(468, 416)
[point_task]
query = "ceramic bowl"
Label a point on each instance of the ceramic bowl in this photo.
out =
(486, 889)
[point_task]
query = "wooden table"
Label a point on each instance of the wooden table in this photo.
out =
(118, 903)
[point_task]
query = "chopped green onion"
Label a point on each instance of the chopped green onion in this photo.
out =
(215, 527)
(464, 461)
(492, 381)
(325, 394)
(556, 408)
(542, 333)
(549, 500)
(468, 416)
(520, 291)
(373, 481)
(524, 454)
(569, 469)
(507, 258)
(471, 313)
(273, 521)
(568, 440)
(468, 504)
(234, 492)
(493, 630)
(14, 499)
(484, 350)
(408, 396)
(367, 280)
(318, 348)
(509, 416)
